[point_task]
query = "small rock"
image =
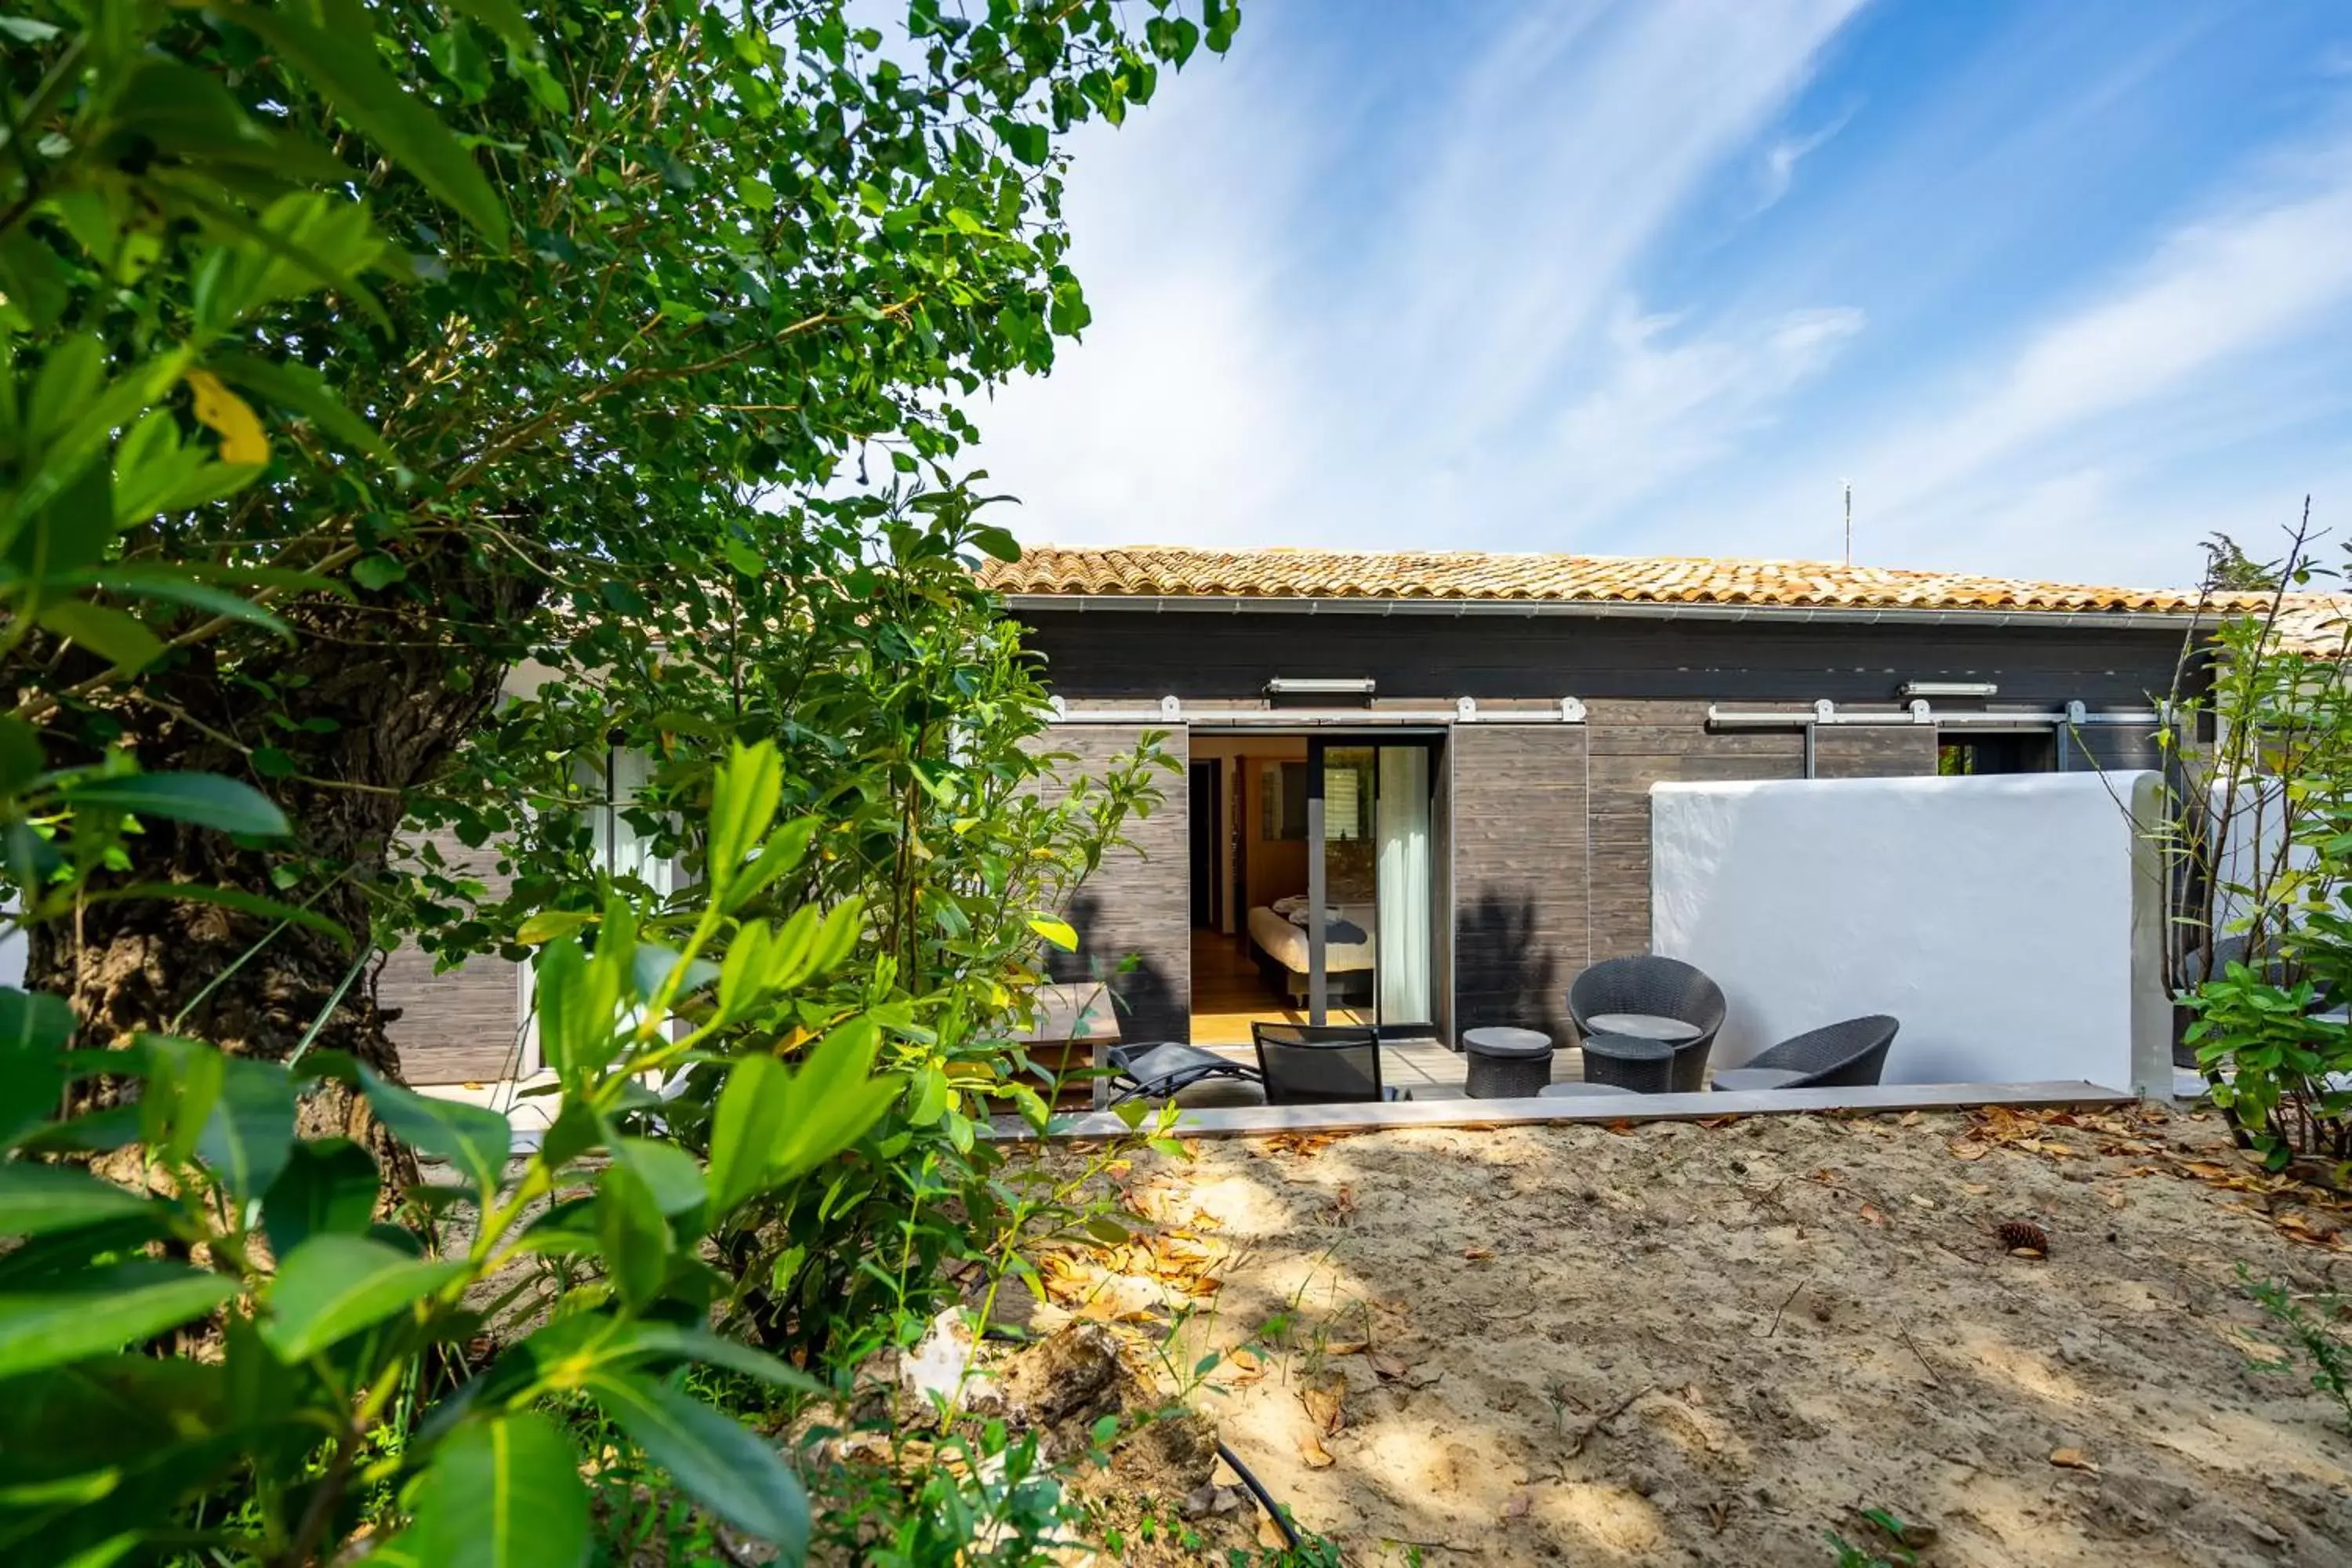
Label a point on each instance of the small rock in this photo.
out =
(1063, 1373)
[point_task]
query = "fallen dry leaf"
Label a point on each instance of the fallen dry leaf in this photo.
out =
(1872, 1213)
(1270, 1534)
(1476, 1252)
(1304, 1143)
(2073, 1459)
(1312, 1452)
(1389, 1367)
(1323, 1405)
(1347, 1347)
(1962, 1149)
(1910, 1119)
(1976, 1189)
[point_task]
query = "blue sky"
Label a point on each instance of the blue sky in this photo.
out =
(2059, 288)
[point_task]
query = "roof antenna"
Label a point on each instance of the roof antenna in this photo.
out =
(1849, 520)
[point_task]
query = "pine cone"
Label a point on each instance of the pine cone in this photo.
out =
(2022, 1235)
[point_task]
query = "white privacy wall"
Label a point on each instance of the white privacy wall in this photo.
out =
(2012, 924)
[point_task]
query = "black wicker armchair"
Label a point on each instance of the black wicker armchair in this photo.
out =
(1839, 1056)
(1658, 988)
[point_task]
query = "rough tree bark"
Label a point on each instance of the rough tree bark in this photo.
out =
(402, 691)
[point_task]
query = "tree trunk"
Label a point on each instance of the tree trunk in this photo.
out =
(388, 694)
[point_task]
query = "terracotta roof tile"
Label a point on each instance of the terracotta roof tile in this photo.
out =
(2313, 620)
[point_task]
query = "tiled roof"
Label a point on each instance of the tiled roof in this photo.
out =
(1155, 570)
(2316, 624)
(2308, 621)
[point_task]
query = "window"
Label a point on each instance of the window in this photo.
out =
(1964, 755)
(1347, 799)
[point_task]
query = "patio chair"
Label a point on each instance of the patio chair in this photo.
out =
(1839, 1056)
(1159, 1071)
(1319, 1064)
(1647, 985)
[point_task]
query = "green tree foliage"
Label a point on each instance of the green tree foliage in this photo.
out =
(2229, 569)
(697, 267)
(353, 355)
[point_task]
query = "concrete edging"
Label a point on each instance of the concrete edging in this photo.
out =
(1259, 1121)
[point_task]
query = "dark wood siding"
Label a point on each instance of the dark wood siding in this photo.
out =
(1873, 751)
(1635, 745)
(2111, 746)
(1521, 922)
(1137, 903)
(461, 1027)
(1195, 654)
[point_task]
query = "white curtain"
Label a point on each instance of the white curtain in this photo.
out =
(1402, 959)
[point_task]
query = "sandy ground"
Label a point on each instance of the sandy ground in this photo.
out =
(1712, 1343)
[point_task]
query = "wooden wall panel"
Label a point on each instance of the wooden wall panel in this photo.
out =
(1857, 752)
(1139, 901)
(1635, 745)
(461, 1027)
(1140, 656)
(1519, 872)
(2111, 747)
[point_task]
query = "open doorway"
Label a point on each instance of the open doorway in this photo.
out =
(1274, 817)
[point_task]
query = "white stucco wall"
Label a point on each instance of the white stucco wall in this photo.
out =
(2011, 923)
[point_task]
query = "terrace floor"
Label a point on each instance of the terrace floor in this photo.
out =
(1427, 1069)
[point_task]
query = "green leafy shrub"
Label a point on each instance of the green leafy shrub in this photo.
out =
(326, 1321)
(2261, 849)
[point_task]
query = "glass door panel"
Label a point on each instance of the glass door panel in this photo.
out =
(1371, 900)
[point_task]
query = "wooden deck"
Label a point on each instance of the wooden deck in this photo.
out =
(1428, 1069)
(1230, 994)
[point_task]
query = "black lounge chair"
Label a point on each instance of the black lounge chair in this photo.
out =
(1159, 1071)
(1319, 1064)
(1659, 988)
(1841, 1055)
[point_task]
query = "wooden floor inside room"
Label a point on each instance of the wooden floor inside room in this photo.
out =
(1230, 993)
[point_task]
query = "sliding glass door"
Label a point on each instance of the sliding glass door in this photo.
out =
(1371, 894)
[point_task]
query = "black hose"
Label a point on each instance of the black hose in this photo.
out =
(1258, 1489)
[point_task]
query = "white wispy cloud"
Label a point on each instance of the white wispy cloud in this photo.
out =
(1665, 408)
(1492, 277)
(1268, 366)
(2116, 385)
(1566, 153)
(1781, 158)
